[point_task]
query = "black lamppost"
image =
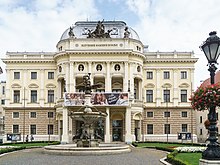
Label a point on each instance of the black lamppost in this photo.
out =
(211, 48)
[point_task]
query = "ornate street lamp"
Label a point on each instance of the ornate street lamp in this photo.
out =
(211, 48)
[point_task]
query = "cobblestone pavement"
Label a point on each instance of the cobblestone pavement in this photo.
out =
(36, 157)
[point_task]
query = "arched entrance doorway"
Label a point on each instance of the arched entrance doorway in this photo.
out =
(137, 130)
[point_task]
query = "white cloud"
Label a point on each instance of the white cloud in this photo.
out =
(39, 26)
(177, 25)
(164, 25)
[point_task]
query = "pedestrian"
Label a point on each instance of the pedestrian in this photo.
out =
(27, 139)
(32, 138)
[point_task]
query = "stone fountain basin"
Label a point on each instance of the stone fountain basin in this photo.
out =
(102, 149)
(88, 116)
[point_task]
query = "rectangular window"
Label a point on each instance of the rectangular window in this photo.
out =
(166, 128)
(33, 114)
(166, 114)
(200, 119)
(183, 75)
(15, 129)
(166, 75)
(149, 96)
(149, 75)
(166, 95)
(200, 131)
(33, 75)
(184, 114)
(184, 127)
(16, 96)
(184, 95)
(15, 115)
(50, 96)
(33, 96)
(3, 90)
(50, 75)
(33, 129)
(150, 128)
(3, 102)
(50, 114)
(50, 129)
(150, 114)
(17, 75)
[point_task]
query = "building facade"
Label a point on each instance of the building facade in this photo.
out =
(158, 85)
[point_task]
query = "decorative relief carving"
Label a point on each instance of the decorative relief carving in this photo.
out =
(184, 85)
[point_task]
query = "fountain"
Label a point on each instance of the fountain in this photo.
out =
(87, 138)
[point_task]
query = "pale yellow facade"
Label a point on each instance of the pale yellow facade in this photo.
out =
(37, 81)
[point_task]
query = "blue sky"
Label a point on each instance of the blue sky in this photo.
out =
(164, 25)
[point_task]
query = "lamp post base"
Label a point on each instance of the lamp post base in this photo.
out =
(212, 153)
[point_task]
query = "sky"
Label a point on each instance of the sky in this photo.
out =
(164, 25)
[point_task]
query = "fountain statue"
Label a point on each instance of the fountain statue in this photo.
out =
(87, 137)
(88, 134)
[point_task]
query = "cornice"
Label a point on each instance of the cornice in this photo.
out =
(182, 60)
(8, 61)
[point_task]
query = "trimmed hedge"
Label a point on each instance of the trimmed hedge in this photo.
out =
(6, 150)
(171, 159)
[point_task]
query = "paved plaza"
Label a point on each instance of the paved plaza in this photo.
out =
(37, 157)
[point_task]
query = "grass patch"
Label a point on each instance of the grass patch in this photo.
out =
(190, 158)
(30, 144)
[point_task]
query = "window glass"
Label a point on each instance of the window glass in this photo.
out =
(166, 75)
(33, 75)
(16, 75)
(50, 75)
(149, 75)
(33, 96)
(149, 96)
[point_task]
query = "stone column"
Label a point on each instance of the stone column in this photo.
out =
(107, 127)
(70, 130)
(25, 89)
(71, 78)
(108, 82)
(8, 90)
(65, 136)
(125, 80)
(42, 89)
(128, 136)
(158, 88)
(131, 80)
(67, 78)
(175, 88)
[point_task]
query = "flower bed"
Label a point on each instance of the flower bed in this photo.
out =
(190, 149)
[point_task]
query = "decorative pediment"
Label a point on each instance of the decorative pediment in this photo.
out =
(166, 85)
(137, 116)
(50, 86)
(33, 86)
(15, 86)
(184, 85)
(149, 85)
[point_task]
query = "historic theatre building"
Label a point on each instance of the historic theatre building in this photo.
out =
(145, 94)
